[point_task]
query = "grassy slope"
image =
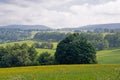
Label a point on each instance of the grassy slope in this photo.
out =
(62, 72)
(109, 56)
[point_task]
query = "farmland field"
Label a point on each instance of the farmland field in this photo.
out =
(62, 72)
(109, 56)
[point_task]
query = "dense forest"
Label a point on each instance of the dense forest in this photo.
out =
(99, 40)
(50, 36)
(10, 35)
(103, 40)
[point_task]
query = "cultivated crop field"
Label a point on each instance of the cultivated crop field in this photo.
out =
(62, 72)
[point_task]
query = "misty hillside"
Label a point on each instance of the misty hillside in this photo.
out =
(43, 27)
(97, 26)
(26, 27)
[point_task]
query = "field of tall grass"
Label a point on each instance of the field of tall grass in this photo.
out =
(62, 72)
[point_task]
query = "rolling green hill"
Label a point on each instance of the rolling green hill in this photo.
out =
(109, 56)
(26, 27)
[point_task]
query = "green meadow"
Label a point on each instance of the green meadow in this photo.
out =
(109, 56)
(62, 72)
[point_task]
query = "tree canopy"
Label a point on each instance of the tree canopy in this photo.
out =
(75, 50)
(17, 55)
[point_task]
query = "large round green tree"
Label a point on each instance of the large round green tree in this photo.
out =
(75, 50)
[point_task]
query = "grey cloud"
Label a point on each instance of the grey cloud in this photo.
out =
(4, 1)
(66, 6)
(91, 1)
(109, 14)
(57, 12)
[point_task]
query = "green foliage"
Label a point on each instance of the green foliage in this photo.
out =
(47, 45)
(100, 40)
(40, 51)
(10, 35)
(43, 45)
(50, 36)
(32, 53)
(97, 40)
(17, 55)
(113, 39)
(100, 45)
(103, 41)
(46, 59)
(75, 50)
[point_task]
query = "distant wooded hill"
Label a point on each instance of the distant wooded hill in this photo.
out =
(43, 27)
(97, 26)
(26, 27)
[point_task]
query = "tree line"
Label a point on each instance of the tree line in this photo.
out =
(17, 55)
(103, 40)
(23, 55)
(74, 49)
(100, 41)
(50, 36)
(43, 45)
(10, 35)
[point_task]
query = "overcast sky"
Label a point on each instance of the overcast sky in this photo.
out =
(59, 13)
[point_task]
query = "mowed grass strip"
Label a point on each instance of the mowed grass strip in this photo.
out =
(62, 72)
